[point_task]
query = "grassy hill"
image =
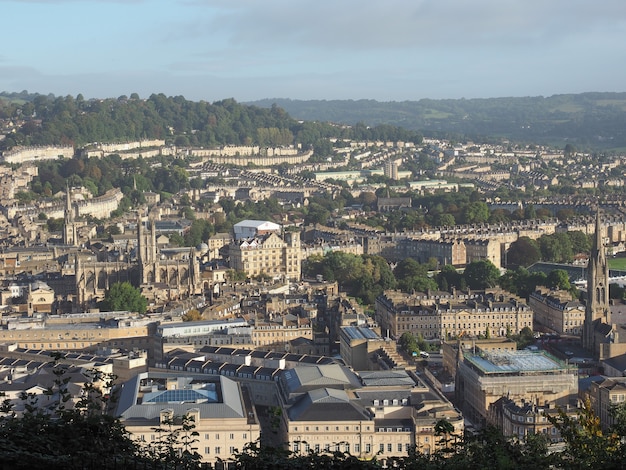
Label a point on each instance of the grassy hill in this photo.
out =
(594, 121)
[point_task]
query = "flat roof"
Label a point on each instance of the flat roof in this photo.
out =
(498, 362)
(357, 332)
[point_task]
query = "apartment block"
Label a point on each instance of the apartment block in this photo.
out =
(444, 315)
(557, 311)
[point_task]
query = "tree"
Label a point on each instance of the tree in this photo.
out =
(587, 444)
(476, 212)
(408, 342)
(123, 296)
(71, 438)
(556, 248)
(523, 252)
(558, 279)
(524, 338)
(448, 278)
(481, 274)
(413, 276)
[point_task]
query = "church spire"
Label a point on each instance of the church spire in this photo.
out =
(597, 309)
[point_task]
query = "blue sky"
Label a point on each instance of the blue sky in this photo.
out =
(388, 50)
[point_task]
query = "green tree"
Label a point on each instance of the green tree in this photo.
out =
(558, 279)
(413, 276)
(448, 278)
(123, 296)
(481, 274)
(408, 342)
(476, 212)
(523, 252)
(587, 444)
(556, 248)
(65, 437)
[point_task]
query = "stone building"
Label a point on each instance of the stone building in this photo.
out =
(270, 254)
(524, 418)
(600, 336)
(557, 311)
(376, 413)
(482, 378)
(603, 395)
(444, 315)
(223, 415)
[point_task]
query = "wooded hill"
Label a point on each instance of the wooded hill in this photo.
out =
(588, 120)
(46, 119)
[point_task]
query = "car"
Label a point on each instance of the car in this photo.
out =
(424, 354)
(569, 353)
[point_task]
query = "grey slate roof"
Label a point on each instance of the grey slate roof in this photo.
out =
(324, 405)
(230, 406)
(331, 375)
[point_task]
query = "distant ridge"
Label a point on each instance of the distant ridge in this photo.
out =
(594, 120)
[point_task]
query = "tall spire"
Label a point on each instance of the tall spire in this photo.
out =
(597, 309)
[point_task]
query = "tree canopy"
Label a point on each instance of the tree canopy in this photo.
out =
(123, 296)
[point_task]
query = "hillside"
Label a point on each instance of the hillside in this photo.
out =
(588, 120)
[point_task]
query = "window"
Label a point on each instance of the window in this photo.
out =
(399, 447)
(217, 436)
(218, 450)
(232, 436)
(381, 448)
(368, 448)
(232, 449)
(389, 447)
(207, 450)
(357, 448)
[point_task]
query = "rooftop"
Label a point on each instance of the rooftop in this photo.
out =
(503, 362)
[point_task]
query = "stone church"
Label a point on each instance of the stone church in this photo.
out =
(161, 273)
(600, 336)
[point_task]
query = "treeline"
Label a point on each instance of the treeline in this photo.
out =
(75, 121)
(589, 120)
(367, 276)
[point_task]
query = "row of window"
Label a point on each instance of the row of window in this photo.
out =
(231, 436)
(327, 428)
(218, 450)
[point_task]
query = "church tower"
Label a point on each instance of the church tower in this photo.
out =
(147, 255)
(69, 225)
(597, 309)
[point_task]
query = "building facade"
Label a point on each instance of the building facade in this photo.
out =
(482, 378)
(556, 311)
(221, 411)
(444, 315)
(269, 254)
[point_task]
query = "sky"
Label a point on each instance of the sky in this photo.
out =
(386, 50)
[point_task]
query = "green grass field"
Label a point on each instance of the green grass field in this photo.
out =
(618, 264)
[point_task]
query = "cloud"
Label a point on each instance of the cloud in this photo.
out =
(366, 26)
